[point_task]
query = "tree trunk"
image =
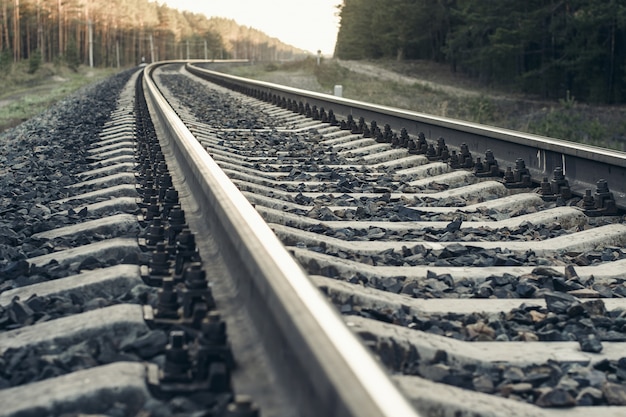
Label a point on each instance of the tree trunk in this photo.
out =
(66, 31)
(40, 43)
(59, 14)
(2, 26)
(27, 48)
(16, 31)
(85, 43)
(609, 94)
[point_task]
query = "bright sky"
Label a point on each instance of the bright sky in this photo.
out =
(305, 24)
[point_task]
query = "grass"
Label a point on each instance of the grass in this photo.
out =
(564, 119)
(25, 95)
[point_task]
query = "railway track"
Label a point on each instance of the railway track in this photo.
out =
(481, 287)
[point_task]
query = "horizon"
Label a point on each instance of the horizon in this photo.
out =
(306, 25)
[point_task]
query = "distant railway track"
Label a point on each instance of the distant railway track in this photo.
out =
(457, 285)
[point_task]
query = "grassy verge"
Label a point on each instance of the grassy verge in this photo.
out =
(565, 119)
(25, 95)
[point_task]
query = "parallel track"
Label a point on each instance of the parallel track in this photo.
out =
(414, 252)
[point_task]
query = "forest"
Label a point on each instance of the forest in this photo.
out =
(550, 48)
(119, 33)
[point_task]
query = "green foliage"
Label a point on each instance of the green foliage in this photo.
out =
(568, 122)
(307, 64)
(27, 94)
(71, 56)
(34, 62)
(543, 47)
(58, 61)
(481, 109)
(330, 74)
(6, 62)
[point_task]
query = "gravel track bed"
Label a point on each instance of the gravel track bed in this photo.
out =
(272, 153)
(40, 160)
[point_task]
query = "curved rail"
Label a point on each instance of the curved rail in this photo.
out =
(583, 165)
(329, 370)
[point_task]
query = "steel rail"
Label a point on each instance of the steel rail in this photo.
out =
(328, 369)
(582, 164)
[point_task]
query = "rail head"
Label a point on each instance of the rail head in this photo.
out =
(337, 372)
(583, 165)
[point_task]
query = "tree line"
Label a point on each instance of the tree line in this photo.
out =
(125, 32)
(554, 48)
